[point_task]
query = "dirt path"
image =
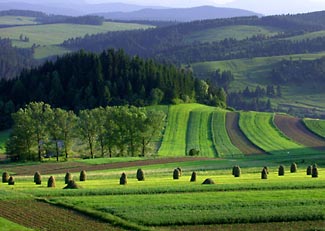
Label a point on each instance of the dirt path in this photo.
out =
(295, 129)
(42, 216)
(57, 168)
(238, 138)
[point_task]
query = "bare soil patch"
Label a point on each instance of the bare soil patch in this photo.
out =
(295, 129)
(60, 168)
(42, 216)
(238, 138)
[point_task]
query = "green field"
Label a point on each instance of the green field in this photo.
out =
(10, 226)
(316, 126)
(48, 37)
(161, 203)
(220, 136)
(260, 130)
(311, 35)
(237, 32)
(16, 20)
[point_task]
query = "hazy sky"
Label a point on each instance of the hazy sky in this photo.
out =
(260, 6)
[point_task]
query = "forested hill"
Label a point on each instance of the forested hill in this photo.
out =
(171, 43)
(13, 60)
(85, 80)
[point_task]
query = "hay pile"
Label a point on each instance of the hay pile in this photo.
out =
(293, 167)
(5, 177)
(236, 171)
(68, 177)
(83, 175)
(11, 180)
(193, 177)
(264, 174)
(51, 182)
(123, 179)
(140, 175)
(281, 170)
(208, 181)
(37, 178)
(72, 185)
(176, 174)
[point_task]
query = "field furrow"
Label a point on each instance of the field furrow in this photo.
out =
(42, 216)
(221, 140)
(295, 129)
(238, 138)
(260, 130)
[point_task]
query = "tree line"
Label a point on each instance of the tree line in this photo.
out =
(299, 72)
(85, 80)
(41, 131)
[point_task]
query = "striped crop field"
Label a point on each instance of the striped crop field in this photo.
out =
(199, 134)
(260, 130)
(174, 139)
(316, 126)
(220, 137)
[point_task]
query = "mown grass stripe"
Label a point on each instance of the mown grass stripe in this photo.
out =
(220, 137)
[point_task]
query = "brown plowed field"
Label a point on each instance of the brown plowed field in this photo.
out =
(57, 168)
(295, 129)
(238, 138)
(42, 216)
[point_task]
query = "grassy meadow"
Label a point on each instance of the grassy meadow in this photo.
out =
(161, 203)
(16, 20)
(48, 37)
(316, 126)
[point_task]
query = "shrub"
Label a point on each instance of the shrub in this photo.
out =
(83, 175)
(193, 152)
(193, 177)
(176, 174)
(309, 170)
(293, 167)
(5, 177)
(236, 171)
(37, 178)
(51, 182)
(180, 171)
(314, 171)
(71, 185)
(264, 174)
(208, 181)
(281, 170)
(68, 177)
(123, 179)
(11, 180)
(140, 175)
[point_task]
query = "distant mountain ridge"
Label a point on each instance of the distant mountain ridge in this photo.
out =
(180, 14)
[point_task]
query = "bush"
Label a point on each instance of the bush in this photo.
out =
(236, 171)
(264, 174)
(71, 185)
(293, 167)
(51, 182)
(37, 178)
(123, 179)
(83, 175)
(193, 152)
(11, 180)
(309, 170)
(314, 171)
(281, 170)
(176, 174)
(193, 177)
(5, 177)
(140, 175)
(68, 177)
(208, 181)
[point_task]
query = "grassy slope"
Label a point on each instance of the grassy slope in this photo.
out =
(220, 136)
(16, 20)
(316, 126)
(255, 71)
(260, 129)
(311, 35)
(10, 226)
(220, 33)
(199, 135)
(50, 36)
(174, 140)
